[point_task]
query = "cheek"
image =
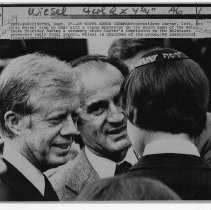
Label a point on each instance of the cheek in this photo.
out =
(40, 144)
(46, 138)
(35, 144)
(92, 125)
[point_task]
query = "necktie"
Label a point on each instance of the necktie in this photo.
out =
(49, 194)
(123, 167)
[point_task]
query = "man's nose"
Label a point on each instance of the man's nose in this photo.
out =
(69, 127)
(116, 114)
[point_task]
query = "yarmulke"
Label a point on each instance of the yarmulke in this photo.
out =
(158, 55)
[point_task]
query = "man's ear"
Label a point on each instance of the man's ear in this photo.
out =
(13, 122)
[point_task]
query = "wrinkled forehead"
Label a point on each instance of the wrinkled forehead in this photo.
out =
(101, 85)
(53, 97)
(103, 94)
(101, 79)
(68, 104)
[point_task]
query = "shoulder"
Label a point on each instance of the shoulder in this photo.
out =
(59, 175)
(5, 189)
(203, 142)
(59, 171)
(72, 178)
(6, 193)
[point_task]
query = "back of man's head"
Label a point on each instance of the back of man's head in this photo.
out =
(169, 92)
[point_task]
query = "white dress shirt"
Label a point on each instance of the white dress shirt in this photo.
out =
(105, 167)
(26, 168)
(177, 144)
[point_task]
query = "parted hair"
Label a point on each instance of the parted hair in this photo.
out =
(127, 188)
(28, 79)
(170, 95)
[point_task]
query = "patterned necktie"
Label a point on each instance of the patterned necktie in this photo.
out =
(49, 194)
(123, 167)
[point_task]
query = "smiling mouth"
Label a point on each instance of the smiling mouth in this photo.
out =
(117, 130)
(62, 145)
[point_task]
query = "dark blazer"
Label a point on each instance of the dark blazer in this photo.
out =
(203, 142)
(16, 187)
(187, 175)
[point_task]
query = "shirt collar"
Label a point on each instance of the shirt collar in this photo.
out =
(105, 167)
(130, 156)
(28, 170)
(176, 144)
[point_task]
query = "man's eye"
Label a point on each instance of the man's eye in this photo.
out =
(117, 100)
(56, 120)
(97, 109)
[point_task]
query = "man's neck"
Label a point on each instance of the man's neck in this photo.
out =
(157, 136)
(169, 143)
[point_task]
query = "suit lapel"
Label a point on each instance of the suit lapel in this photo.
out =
(81, 175)
(21, 187)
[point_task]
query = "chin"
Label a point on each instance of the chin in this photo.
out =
(123, 145)
(120, 148)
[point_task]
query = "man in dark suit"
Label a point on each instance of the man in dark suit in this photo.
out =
(38, 95)
(165, 100)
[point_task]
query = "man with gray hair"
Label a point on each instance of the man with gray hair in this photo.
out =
(38, 99)
(102, 125)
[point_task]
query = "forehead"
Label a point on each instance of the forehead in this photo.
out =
(95, 78)
(102, 84)
(47, 106)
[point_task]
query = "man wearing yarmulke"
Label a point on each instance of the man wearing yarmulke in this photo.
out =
(165, 101)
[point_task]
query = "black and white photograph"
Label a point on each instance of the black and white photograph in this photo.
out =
(105, 118)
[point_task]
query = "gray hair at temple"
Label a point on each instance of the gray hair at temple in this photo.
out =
(28, 79)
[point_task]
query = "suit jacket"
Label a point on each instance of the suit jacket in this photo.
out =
(203, 142)
(72, 179)
(16, 187)
(187, 175)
